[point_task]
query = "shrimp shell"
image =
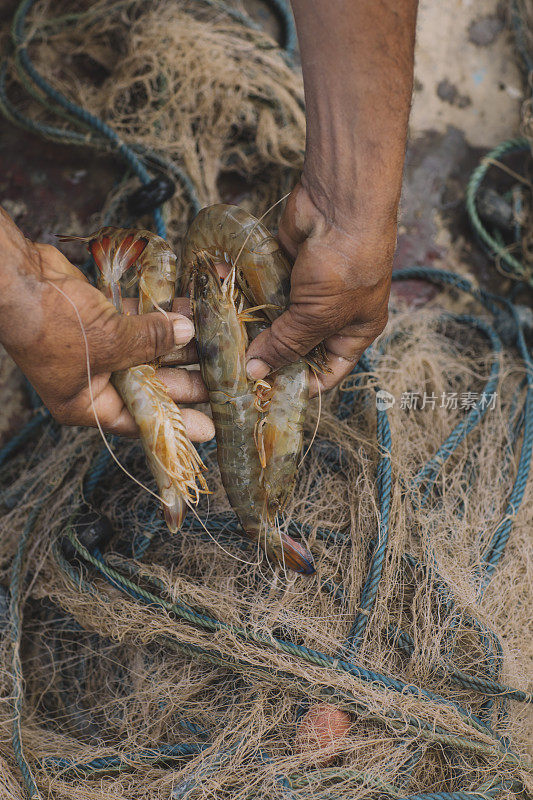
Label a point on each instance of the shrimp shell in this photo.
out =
(173, 459)
(262, 270)
(222, 342)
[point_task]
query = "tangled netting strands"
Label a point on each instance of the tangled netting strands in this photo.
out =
(193, 90)
(164, 668)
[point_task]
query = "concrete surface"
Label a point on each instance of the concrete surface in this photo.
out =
(466, 73)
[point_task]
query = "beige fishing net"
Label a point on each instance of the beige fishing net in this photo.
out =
(215, 97)
(107, 675)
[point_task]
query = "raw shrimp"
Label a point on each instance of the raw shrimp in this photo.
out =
(222, 342)
(263, 273)
(262, 270)
(279, 432)
(229, 234)
(173, 459)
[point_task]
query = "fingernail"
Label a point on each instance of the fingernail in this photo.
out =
(183, 330)
(257, 369)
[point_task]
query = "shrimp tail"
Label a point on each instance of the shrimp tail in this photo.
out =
(292, 554)
(114, 251)
(173, 459)
(174, 513)
(106, 248)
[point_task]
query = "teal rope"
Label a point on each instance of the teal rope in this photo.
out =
(185, 612)
(477, 684)
(107, 765)
(41, 416)
(384, 488)
(490, 302)
(72, 109)
(516, 267)
(429, 472)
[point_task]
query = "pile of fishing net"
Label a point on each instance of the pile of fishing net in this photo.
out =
(196, 88)
(159, 666)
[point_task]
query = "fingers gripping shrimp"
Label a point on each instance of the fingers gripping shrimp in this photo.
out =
(279, 433)
(262, 270)
(173, 460)
(115, 250)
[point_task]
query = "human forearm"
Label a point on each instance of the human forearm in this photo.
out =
(339, 224)
(357, 62)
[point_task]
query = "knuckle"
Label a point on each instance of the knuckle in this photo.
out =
(103, 334)
(44, 251)
(155, 337)
(286, 344)
(145, 338)
(296, 332)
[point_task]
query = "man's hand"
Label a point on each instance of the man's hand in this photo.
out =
(340, 286)
(340, 221)
(39, 327)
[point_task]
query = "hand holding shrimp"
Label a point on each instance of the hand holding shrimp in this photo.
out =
(40, 330)
(263, 421)
(173, 460)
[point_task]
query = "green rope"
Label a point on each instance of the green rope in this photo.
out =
(324, 693)
(516, 267)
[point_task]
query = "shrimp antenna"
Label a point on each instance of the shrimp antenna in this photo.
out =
(254, 226)
(108, 446)
(227, 552)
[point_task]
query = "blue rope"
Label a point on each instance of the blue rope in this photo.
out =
(27, 432)
(384, 488)
(67, 767)
(99, 134)
(202, 620)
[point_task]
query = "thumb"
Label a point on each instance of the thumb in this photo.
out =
(287, 340)
(139, 339)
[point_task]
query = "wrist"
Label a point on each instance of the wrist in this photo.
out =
(367, 219)
(356, 248)
(355, 188)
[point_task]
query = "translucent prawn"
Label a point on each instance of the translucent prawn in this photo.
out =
(260, 270)
(222, 341)
(173, 459)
